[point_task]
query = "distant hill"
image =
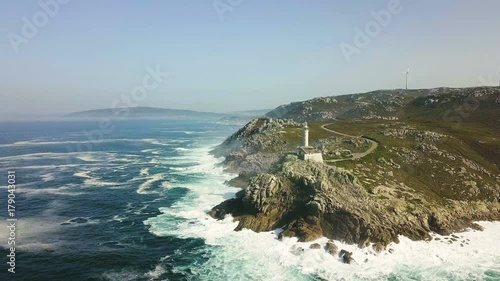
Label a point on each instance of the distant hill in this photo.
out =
(146, 112)
(399, 104)
(244, 116)
(259, 112)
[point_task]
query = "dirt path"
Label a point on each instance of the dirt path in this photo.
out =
(356, 155)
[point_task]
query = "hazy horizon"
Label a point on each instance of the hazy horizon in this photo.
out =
(249, 55)
(57, 116)
(64, 115)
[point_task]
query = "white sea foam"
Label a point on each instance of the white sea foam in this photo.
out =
(62, 167)
(123, 275)
(94, 181)
(156, 273)
(33, 143)
(154, 161)
(179, 131)
(83, 174)
(98, 182)
(139, 211)
(38, 167)
(118, 218)
(144, 187)
(67, 190)
(159, 142)
(32, 229)
(48, 177)
(42, 142)
(87, 157)
(246, 255)
(144, 172)
(78, 221)
(152, 151)
(39, 246)
(174, 160)
(34, 156)
(179, 168)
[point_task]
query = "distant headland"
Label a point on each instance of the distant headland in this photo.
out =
(143, 112)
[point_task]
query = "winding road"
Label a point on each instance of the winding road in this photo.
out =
(355, 155)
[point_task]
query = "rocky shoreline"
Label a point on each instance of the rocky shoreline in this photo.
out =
(310, 200)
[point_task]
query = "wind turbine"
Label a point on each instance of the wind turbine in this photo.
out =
(407, 72)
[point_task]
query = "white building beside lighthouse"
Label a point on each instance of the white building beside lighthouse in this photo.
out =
(307, 152)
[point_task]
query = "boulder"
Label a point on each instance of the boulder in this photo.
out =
(315, 246)
(346, 256)
(297, 250)
(331, 248)
(218, 214)
(378, 247)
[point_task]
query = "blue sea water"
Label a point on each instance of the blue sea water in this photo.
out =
(132, 206)
(82, 197)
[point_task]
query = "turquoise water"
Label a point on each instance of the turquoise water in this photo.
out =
(133, 207)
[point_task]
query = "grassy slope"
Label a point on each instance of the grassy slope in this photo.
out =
(470, 117)
(429, 178)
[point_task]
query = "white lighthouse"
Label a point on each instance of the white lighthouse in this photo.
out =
(306, 136)
(305, 152)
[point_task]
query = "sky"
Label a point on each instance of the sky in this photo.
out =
(231, 55)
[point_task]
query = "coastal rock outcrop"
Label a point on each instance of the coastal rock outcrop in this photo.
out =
(346, 256)
(331, 248)
(310, 200)
(405, 188)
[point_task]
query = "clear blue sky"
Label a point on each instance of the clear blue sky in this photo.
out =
(262, 54)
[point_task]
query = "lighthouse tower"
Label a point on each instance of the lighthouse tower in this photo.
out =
(305, 152)
(306, 136)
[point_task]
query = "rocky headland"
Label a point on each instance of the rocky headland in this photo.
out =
(416, 182)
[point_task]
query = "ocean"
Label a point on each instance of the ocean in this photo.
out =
(131, 203)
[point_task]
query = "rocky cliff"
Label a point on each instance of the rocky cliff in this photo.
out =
(400, 189)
